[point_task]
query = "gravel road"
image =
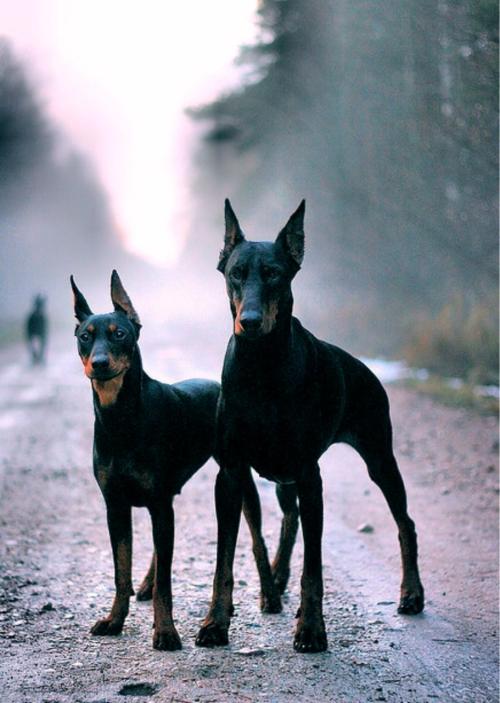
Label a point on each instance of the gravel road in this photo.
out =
(56, 572)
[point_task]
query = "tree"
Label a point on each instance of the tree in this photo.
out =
(384, 115)
(54, 216)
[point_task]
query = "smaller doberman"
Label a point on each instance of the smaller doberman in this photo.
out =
(149, 439)
(36, 330)
(286, 396)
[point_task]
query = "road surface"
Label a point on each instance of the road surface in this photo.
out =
(56, 575)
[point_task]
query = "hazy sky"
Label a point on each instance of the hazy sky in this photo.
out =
(116, 76)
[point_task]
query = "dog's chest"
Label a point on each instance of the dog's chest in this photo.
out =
(272, 433)
(128, 478)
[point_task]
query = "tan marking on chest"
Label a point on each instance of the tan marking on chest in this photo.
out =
(102, 476)
(107, 391)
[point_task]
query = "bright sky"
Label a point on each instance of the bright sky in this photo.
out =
(116, 75)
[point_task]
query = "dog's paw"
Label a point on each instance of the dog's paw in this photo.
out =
(310, 639)
(107, 626)
(212, 635)
(166, 640)
(145, 591)
(270, 603)
(412, 602)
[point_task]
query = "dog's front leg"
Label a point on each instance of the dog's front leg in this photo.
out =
(165, 635)
(310, 635)
(145, 590)
(287, 498)
(120, 532)
(228, 503)
(270, 601)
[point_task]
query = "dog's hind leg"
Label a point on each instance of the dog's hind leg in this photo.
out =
(371, 435)
(384, 471)
(145, 590)
(270, 601)
(120, 532)
(287, 499)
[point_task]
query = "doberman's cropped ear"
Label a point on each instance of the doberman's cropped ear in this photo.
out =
(82, 310)
(122, 302)
(291, 236)
(233, 235)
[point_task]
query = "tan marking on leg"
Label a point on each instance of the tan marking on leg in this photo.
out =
(124, 586)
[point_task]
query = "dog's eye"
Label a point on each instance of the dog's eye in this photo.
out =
(120, 334)
(237, 273)
(270, 273)
(84, 337)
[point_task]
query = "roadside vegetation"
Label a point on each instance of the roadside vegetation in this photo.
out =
(460, 341)
(463, 395)
(459, 348)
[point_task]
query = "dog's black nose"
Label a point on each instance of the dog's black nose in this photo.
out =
(100, 362)
(251, 321)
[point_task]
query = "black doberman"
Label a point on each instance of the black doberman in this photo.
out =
(36, 330)
(287, 396)
(149, 439)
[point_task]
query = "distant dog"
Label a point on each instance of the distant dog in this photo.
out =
(285, 398)
(36, 330)
(149, 439)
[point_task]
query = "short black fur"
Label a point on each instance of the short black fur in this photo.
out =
(285, 398)
(149, 439)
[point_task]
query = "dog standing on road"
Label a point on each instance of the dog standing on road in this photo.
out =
(285, 398)
(149, 439)
(36, 330)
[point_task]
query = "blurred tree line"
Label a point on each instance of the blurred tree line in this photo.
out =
(54, 217)
(384, 115)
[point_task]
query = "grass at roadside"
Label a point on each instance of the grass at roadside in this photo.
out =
(465, 396)
(460, 341)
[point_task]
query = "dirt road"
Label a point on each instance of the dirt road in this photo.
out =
(56, 575)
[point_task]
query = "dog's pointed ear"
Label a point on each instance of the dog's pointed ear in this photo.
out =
(291, 237)
(122, 302)
(81, 307)
(232, 237)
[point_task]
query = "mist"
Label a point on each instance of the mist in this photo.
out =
(383, 115)
(57, 219)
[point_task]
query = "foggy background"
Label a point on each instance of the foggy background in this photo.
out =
(383, 114)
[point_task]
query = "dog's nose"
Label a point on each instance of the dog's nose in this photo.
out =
(100, 362)
(251, 321)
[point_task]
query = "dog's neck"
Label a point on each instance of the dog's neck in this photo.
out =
(107, 391)
(117, 398)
